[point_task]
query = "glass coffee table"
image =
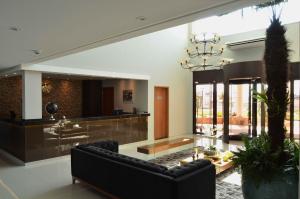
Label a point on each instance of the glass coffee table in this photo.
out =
(185, 147)
(221, 160)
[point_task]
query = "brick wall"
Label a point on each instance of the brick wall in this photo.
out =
(11, 96)
(67, 95)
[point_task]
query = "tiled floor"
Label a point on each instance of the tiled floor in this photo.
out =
(51, 179)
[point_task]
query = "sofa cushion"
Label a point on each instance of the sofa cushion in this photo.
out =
(187, 168)
(124, 159)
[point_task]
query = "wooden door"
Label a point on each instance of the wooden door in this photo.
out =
(108, 100)
(161, 112)
(91, 98)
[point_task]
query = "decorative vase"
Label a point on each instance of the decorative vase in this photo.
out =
(51, 108)
(284, 186)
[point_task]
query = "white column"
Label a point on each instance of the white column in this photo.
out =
(32, 95)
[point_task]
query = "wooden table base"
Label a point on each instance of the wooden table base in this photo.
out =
(164, 145)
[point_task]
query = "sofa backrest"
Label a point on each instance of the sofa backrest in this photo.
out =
(187, 168)
(109, 145)
(124, 159)
(109, 149)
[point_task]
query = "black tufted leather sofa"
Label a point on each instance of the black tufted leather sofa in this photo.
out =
(100, 165)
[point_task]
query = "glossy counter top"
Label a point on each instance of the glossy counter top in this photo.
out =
(47, 121)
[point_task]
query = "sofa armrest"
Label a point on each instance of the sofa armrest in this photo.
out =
(199, 184)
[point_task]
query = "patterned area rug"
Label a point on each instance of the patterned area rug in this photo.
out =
(224, 190)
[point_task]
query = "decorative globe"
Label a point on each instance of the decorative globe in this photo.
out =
(51, 108)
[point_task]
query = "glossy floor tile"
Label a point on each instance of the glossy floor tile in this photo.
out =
(49, 180)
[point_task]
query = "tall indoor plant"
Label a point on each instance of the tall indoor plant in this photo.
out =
(269, 163)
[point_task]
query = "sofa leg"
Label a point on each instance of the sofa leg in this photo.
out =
(73, 180)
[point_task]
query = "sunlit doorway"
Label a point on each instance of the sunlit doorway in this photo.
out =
(246, 112)
(239, 108)
(204, 107)
(209, 108)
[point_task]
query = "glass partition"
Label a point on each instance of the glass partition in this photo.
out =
(220, 101)
(261, 110)
(287, 121)
(296, 109)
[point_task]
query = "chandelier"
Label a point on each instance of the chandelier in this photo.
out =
(201, 51)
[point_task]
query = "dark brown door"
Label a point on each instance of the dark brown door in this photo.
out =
(91, 98)
(107, 100)
(161, 112)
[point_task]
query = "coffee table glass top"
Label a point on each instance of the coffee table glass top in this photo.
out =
(178, 153)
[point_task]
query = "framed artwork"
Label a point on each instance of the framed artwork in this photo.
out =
(127, 96)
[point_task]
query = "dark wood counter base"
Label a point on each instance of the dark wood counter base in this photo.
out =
(37, 140)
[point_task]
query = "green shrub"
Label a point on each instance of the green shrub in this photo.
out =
(260, 163)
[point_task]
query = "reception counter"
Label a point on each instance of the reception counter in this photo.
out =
(32, 140)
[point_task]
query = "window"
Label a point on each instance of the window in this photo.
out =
(246, 19)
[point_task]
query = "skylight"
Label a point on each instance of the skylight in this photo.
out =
(247, 19)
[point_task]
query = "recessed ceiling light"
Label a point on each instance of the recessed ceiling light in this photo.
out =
(14, 73)
(36, 52)
(141, 18)
(6, 75)
(14, 28)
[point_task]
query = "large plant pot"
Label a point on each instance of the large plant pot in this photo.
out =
(284, 186)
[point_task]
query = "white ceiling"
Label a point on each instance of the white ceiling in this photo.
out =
(60, 27)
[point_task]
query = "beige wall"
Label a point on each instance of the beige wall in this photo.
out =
(156, 55)
(140, 93)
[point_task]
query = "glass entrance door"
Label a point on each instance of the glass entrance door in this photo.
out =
(296, 109)
(239, 109)
(204, 107)
(209, 108)
(246, 113)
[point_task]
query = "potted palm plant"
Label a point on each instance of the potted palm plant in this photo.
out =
(270, 163)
